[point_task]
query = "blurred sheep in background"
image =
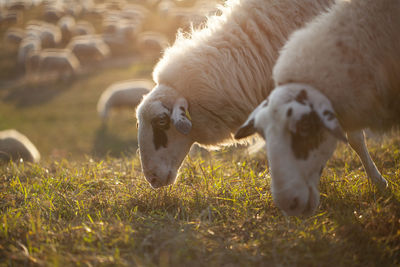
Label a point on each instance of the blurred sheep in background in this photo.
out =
(28, 45)
(89, 48)
(15, 146)
(14, 36)
(124, 29)
(83, 27)
(66, 25)
(151, 43)
(49, 34)
(124, 94)
(60, 62)
(10, 17)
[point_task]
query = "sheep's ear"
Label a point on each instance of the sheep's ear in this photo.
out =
(180, 116)
(331, 123)
(246, 129)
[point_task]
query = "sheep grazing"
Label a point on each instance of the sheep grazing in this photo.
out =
(15, 146)
(27, 46)
(337, 75)
(152, 43)
(11, 17)
(83, 27)
(89, 49)
(50, 35)
(66, 25)
(14, 35)
(125, 94)
(57, 61)
(208, 82)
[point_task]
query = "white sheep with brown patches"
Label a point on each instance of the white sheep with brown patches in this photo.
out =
(208, 82)
(339, 74)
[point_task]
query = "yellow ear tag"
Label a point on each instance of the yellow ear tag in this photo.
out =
(188, 115)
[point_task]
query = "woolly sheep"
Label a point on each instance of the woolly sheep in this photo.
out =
(14, 35)
(83, 27)
(28, 45)
(15, 146)
(66, 25)
(125, 94)
(209, 82)
(152, 43)
(89, 48)
(49, 34)
(11, 17)
(338, 74)
(53, 12)
(58, 61)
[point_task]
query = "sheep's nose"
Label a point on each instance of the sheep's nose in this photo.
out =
(155, 182)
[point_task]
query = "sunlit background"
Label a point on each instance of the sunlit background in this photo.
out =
(57, 57)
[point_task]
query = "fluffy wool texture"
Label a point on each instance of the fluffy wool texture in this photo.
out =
(224, 70)
(352, 55)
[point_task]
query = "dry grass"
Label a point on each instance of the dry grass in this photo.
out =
(219, 213)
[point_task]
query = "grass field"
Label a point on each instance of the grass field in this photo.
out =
(87, 203)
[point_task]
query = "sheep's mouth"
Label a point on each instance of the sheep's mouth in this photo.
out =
(155, 182)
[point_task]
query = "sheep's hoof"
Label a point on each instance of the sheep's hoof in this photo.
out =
(380, 182)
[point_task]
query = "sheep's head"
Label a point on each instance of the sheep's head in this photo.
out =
(301, 130)
(164, 125)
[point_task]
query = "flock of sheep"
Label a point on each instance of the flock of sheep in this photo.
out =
(300, 73)
(62, 40)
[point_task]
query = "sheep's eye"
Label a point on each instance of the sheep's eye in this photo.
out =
(161, 122)
(137, 125)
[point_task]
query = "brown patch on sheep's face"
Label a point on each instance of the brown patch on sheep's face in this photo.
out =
(308, 135)
(160, 125)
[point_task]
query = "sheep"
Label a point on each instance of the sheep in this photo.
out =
(208, 82)
(18, 5)
(83, 27)
(89, 48)
(11, 17)
(152, 43)
(14, 35)
(66, 25)
(337, 75)
(124, 94)
(57, 61)
(15, 146)
(28, 45)
(49, 34)
(53, 12)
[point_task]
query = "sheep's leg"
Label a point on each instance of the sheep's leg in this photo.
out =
(357, 142)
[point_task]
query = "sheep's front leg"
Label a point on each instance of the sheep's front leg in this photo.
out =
(357, 142)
